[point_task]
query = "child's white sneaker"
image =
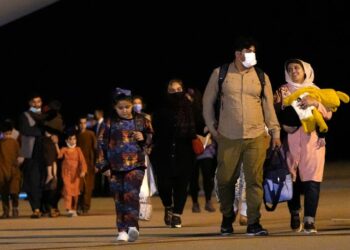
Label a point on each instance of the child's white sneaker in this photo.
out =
(123, 236)
(133, 234)
(72, 213)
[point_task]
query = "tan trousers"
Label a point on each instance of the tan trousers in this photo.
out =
(231, 153)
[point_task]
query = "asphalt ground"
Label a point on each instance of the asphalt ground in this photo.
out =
(200, 230)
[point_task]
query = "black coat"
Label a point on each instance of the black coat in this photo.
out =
(174, 129)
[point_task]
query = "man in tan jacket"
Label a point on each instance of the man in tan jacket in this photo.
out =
(246, 107)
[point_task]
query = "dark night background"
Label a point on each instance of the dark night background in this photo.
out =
(64, 49)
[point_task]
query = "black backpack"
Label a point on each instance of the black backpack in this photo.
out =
(222, 76)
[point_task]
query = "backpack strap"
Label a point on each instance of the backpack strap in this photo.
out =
(223, 72)
(261, 76)
(222, 75)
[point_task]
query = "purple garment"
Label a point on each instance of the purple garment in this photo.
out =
(209, 152)
(124, 152)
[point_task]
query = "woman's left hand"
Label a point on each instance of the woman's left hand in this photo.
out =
(321, 142)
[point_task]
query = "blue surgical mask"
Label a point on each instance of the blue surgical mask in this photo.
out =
(89, 124)
(35, 110)
(137, 108)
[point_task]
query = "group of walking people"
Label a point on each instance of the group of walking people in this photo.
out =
(235, 149)
(247, 106)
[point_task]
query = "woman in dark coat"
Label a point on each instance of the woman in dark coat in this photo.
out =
(173, 154)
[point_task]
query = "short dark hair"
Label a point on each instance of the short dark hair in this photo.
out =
(121, 97)
(33, 95)
(120, 94)
(99, 109)
(137, 97)
(71, 131)
(82, 116)
(244, 42)
(6, 126)
(144, 104)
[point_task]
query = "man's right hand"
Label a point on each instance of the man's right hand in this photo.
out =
(276, 143)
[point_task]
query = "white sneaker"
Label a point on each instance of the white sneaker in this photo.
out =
(122, 236)
(70, 213)
(133, 234)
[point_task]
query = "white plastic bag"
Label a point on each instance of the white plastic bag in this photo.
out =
(145, 209)
(151, 181)
(144, 190)
(148, 188)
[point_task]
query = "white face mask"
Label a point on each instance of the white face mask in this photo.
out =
(71, 145)
(250, 60)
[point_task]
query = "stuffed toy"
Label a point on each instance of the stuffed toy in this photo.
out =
(310, 117)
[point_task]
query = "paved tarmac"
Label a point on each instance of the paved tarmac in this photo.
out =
(200, 230)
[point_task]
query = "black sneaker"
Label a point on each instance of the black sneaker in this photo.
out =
(5, 215)
(310, 228)
(256, 229)
(196, 208)
(226, 225)
(36, 214)
(209, 207)
(15, 212)
(295, 222)
(176, 221)
(168, 213)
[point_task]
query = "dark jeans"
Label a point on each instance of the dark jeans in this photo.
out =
(48, 200)
(311, 190)
(101, 187)
(33, 173)
(173, 191)
(58, 192)
(208, 166)
(6, 200)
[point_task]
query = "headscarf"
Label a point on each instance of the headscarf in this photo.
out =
(309, 76)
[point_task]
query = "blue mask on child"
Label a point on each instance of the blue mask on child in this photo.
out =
(137, 108)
